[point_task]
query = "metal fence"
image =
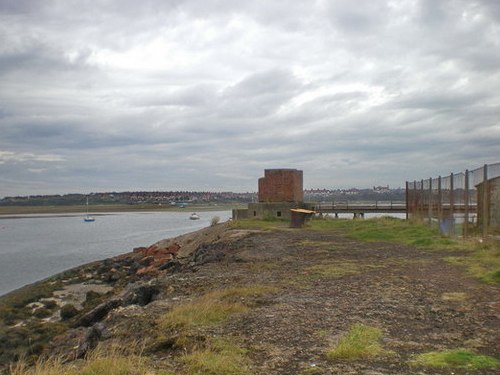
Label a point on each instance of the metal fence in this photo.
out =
(460, 203)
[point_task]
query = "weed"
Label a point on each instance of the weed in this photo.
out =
(219, 357)
(458, 358)
(360, 342)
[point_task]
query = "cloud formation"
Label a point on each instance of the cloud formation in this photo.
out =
(204, 95)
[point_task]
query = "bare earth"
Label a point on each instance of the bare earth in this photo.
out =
(325, 283)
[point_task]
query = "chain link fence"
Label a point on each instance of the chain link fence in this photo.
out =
(465, 203)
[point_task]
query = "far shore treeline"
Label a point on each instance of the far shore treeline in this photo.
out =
(166, 198)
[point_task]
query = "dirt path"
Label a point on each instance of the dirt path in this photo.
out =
(328, 282)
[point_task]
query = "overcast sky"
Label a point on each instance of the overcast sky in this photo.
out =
(114, 95)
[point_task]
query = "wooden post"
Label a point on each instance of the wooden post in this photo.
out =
(466, 204)
(485, 202)
(452, 203)
(429, 212)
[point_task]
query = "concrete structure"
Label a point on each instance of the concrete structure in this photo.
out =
(280, 190)
(492, 204)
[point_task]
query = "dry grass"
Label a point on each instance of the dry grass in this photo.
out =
(359, 343)
(219, 357)
(213, 308)
(116, 360)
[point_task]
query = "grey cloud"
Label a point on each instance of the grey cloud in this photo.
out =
(186, 94)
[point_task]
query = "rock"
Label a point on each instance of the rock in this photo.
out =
(172, 266)
(68, 311)
(141, 295)
(98, 313)
(147, 261)
(92, 337)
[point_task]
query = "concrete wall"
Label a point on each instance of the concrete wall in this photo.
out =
(493, 204)
(279, 210)
(281, 185)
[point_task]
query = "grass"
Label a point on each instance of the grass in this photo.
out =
(481, 258)
(458, 358)
(114, 361)
(219, 357)
(212, 308)
(360, 342)
(387, 229)
(331, 270)
(483, 262)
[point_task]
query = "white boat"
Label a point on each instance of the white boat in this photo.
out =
(88, 218)
(194, 216)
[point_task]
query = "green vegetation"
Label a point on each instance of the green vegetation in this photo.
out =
(457, 358)
(481, 258)
(483, 262)
(360, 342)
(219, 357)
(387, 229)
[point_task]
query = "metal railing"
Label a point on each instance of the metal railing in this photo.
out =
(460, 203)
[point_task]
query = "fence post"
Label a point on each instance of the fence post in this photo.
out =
(429, 213)
(440, 201)
(452, 203)
(421, 200)
(466, 204)
(485, 201)
(407, 200)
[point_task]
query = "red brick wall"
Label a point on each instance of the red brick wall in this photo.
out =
(281, 185)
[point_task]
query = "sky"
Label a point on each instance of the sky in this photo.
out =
(121, 95)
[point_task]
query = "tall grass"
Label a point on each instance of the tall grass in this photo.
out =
(117, 360)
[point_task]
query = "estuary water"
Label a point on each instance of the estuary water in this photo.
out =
(34, 247)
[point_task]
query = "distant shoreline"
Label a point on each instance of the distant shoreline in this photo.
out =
(78, 210)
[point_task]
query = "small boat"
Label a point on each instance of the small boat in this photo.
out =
(88, 218)
(194, 216)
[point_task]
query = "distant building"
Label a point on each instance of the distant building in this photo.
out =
(381, 189)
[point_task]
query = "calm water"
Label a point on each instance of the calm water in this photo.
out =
(33, 248)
